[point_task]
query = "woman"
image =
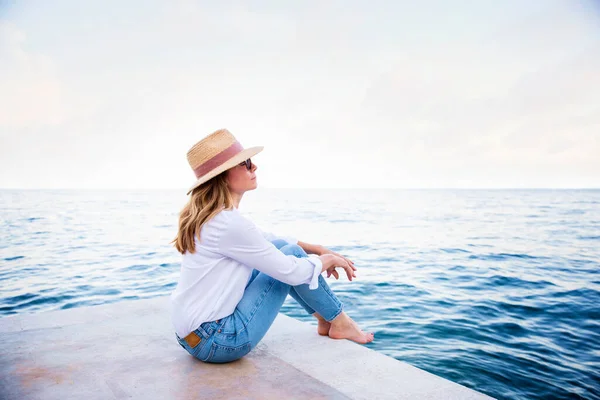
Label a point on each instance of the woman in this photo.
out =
(234, 277)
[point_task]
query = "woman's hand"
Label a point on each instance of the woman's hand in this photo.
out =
(331, 262)
(323, 250)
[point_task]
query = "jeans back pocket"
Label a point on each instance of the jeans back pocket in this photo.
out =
(202, 351)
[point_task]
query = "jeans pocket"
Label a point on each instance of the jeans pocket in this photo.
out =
(224, 354)
(202, 351)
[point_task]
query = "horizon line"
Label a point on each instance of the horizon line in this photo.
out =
(318, 188)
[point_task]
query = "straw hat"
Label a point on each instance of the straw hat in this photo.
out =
(216, 153)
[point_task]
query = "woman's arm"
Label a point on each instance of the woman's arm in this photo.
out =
(321, 250)
(271, 236)
(311, 248)
(242, 241)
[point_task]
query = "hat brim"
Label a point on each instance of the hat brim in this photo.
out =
(232, 162)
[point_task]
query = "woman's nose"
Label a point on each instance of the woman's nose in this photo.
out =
(254, 167)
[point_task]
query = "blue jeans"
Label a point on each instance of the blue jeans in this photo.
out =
(233, 337)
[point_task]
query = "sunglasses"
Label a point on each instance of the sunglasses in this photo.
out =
(247, 163)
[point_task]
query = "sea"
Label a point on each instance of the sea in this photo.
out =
(497, 290)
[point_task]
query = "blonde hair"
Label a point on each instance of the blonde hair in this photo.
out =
(206, 201)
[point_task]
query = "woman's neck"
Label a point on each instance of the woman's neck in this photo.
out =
(237, 197)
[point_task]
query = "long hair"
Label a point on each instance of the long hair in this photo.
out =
(206, 201)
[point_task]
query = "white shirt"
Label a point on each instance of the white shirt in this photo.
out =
(212, 280)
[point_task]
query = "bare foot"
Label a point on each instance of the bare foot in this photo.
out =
(343, 327)
(323, 327)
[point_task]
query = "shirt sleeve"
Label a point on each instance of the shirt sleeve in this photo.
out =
(271, 236)
(245, 243)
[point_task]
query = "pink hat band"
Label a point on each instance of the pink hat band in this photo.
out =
(218, 160)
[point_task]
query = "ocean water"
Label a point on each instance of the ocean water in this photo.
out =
(498, 290)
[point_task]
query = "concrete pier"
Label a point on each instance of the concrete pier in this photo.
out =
(128, 350)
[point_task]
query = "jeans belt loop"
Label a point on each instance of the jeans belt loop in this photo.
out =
(193, 339)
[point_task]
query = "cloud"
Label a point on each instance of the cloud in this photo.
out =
(400, 96)
(494, 101)
(31, 94)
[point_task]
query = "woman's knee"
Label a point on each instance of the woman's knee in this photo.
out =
(279, 243)
(293, 250)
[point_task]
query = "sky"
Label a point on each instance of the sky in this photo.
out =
(342, 94)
